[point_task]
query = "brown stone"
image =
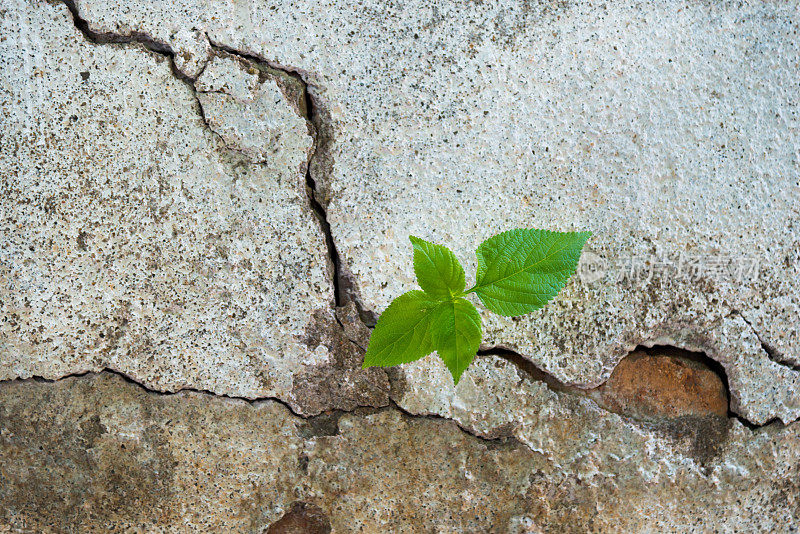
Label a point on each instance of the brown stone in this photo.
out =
(98, 453)
(302, 518)
(340, 383)
(656, 386)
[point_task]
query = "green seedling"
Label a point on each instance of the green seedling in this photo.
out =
(519, 271)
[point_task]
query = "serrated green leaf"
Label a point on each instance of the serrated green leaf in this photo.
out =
(520, 270)
(438, 271)
(403, 332)
(456, 334)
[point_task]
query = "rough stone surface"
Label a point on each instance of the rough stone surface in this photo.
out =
(194, 52)
(301, 519)
(647, 386)
(97, 453)
(134, 239)
(340, 383)
(674, 140)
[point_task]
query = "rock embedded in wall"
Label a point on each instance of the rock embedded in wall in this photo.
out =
(654, 386)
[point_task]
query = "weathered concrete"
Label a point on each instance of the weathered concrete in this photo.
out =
(667, 128)
(97, 453)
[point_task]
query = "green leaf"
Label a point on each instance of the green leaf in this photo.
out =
(403, 332)
(438, 271)
(456, 334)
(520, 270)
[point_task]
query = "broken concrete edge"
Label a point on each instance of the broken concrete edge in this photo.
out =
(308, 106)
(345, 287)
(148, 43)
(534, 373)
(322, 424)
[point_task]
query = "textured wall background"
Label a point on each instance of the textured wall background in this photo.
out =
(205, 204)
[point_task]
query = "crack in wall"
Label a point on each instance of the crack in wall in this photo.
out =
(127, 378)
(300, 98)
(344, 285)
(146, 41)
(323, 424)
(771, 352)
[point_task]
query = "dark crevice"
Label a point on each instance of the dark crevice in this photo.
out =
(134, 37)
(530, 369)
(311, 426)
(507, 439)
(344, 286)
(772, 353)
(775, 355)
(327, 423)
(261, 61)
(311, 115)
(144, 40)
(130, 380)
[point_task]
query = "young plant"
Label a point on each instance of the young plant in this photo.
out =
(519, 271)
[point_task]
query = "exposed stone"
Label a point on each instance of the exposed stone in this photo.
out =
(645, 386)
(97, 453)
(301, 519)
(340, 383)
(496, 399)
(673, 141)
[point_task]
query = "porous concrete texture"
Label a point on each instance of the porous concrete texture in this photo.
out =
(146, 228)
(98, 453)
(217, 196)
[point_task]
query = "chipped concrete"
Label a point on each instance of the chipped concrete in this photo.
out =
(247, 108)
(340, 383)
(195, 52)
(135, 238)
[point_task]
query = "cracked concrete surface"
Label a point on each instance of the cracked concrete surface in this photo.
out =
(215, 198)
(674, 140)
(135, 239)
